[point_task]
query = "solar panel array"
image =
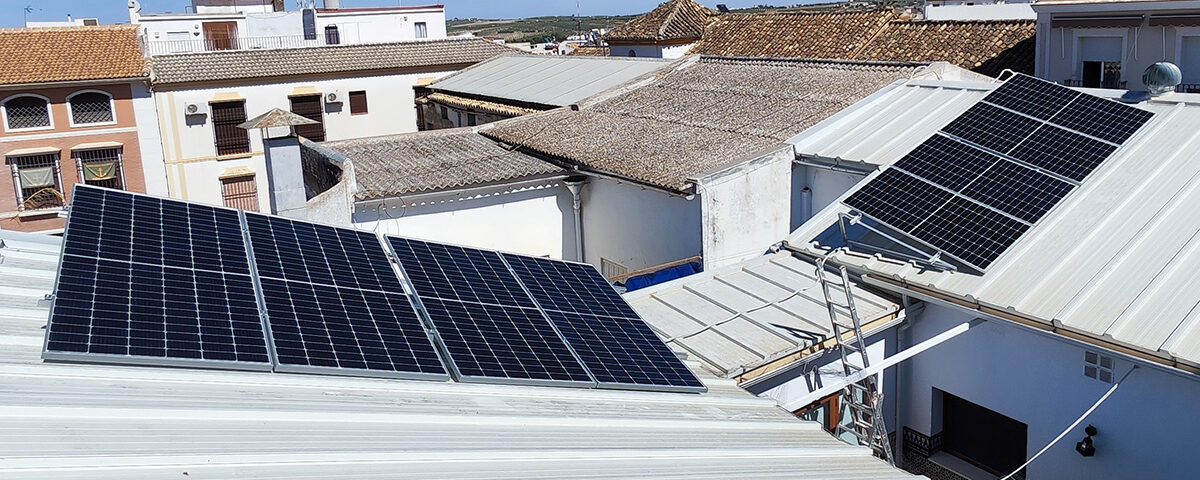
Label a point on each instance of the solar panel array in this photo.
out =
(972, 189)
(161, 282)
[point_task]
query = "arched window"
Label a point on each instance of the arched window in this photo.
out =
(90, 107)
(26, 111)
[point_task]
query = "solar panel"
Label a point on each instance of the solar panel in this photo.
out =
(151, 281)
(970, 232)
(992, 127)
(898, 199)
(1066, 153)
(1102, 118)
(1031, 96)
(617, 346)
(334, 303)
(492, 329)
(1018, 190)
(946, 162)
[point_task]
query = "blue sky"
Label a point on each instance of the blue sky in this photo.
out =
(114, 11)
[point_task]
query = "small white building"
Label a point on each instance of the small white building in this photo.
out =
(667, 31)
(351, 91)
(978, 10)
(213, 25)
(1097, 297)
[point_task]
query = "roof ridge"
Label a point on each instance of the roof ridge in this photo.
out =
(70, 28)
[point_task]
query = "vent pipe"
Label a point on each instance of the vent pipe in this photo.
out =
(1161, 78)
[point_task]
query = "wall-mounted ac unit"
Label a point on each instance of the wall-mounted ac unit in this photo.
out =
(190, 108)
(334, 96)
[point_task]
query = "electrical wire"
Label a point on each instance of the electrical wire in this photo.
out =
(1075, 424)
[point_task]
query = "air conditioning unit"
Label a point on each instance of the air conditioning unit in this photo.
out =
(334, 96)
(190, 108)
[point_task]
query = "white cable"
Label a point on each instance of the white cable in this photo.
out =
(1073, 425)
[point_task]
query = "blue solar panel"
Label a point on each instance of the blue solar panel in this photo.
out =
(898, 199)
(992, 127)
(1032, 96)
(492, 330)
(1063, 152)
(333, 301)
(608, 335)
(1102, 118)
(127, 293)
(929, 161)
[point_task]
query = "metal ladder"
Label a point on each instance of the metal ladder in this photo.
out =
(861, 401)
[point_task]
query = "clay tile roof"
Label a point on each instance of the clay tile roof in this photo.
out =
(987, 47)
(404, 164)
(589, 51)
(63, 54)
(671, 20)
(797, 35)
(252, 64)
(697, 117)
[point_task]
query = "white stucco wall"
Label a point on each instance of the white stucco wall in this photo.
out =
(980, 11)
(638, 227)
(383, 26)
(650, 51)
(188, 140)
(1037, 379)
(825, 185)
(533, 219)
(149, 140)
(746, 208)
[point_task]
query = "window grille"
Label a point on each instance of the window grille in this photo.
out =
(331, 35)
(27, 112)
(39, 180)
(230, 138)
(240, 192)
(100, 167)
(91, 107)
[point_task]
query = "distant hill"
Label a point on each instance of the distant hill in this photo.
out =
(539, 29)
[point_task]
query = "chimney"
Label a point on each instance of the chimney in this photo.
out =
(285, 176)
(332, 4)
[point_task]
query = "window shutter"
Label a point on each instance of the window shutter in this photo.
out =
(230, 139)
(358, 102)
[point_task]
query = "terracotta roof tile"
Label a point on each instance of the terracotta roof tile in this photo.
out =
(671, 20)
(987, 47)
(248, 64)
(589, 51)
(63, 54)
(796, 35)
(477, 105)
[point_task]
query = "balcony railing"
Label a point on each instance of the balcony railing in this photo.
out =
(1101, 84)
(197, 45)
(1188, 88)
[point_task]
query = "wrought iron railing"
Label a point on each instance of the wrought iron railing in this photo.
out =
(1101, 84)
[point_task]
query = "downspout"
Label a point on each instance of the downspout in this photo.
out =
(806, 204)
(575, 184)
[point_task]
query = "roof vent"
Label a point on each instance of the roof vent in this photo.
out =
(1162, 77)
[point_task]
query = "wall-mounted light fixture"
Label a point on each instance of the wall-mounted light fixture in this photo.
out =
(1085, 447)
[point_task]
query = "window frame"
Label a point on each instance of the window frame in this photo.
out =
(216, 141)
(336, 35)
(423, 30)
(119, 161)
(4, 113)
(112, 108)
(19, 191)
(249, 178)
(365, 108)
(1078, 36)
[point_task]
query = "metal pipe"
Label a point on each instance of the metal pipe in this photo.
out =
(806, 204)
(575, 185)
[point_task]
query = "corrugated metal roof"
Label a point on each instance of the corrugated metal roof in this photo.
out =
(544, 80)
(740, 317)
(1113, 261)
(98, 422)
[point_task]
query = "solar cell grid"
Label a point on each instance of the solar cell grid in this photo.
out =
(1018, 190)
(1063, 152)
(946, 162)
(458, 273)
(991, 127)
(623, 351)
(970, 232)
(569, 287)
(1031, 96)
(306, 252)
(898, 199)
(1102, 118)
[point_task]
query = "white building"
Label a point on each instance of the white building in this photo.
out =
(978, 10)
(264, 24)
(70, 22)
(1100, 287)
(667, 31)
(350, 90)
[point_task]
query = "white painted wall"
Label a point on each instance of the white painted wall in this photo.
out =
(356, 26)
(746, 208)
(149, 139)
(188, 140)
(826, 186)
(959, 10)
(650, 51)
(638, 227)
(1037, 378)
(535, 218)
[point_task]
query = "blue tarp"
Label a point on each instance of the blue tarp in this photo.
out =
(664, 275)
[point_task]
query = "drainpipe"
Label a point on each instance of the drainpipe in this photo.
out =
(575, 184)
(805, 204)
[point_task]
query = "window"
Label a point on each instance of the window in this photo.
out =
(420, 30)
(331, 35)
(826, 411)
(1189, 62)
(358, 102)
(984, 438)
(90, 108)
(471, 120)
(445, 113)
(230, 139)
(27, 112)
(1101, 61)
(100, 167)
(240, 192)
(39, 179)
(309, 106)
(309, 20)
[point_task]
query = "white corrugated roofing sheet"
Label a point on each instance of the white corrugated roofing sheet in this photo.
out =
(113, 422)
(546, 80)
(749, 314)
(1115, 260)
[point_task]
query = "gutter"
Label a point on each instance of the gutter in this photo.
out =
(836, 164)
(69, 83)
(419, 196)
